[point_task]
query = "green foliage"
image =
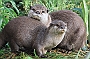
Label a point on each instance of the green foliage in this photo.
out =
(0, 23)
(89, 27)
(23, 56)
(26, 5)
(14, 6)
(35, 53)
(6, 14)
(55, 5)
(87, 56)
(77, 54)
(85, 13)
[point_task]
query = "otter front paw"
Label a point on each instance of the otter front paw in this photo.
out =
(43, 56)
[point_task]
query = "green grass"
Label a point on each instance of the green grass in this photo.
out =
(5, 53)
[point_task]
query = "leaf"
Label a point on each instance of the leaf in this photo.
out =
(77, 54)
(88, 55)
(35, 53)
(14, 5)
(0, 3)
(28, 57)
(1, 23)
(85, 14)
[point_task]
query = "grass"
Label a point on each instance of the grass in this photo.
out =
(54, 54)
(85, 14)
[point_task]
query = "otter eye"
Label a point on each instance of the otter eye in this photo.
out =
(37, 12)
(33, 9)
(57, 25)
(51, 24)
(43, 11)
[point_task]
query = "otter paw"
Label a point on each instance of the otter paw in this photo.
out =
(44, 56)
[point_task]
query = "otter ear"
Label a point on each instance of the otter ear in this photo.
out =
(51, 24)
(65, 24)
(30, 7)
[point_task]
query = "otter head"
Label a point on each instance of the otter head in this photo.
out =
(40, 12)
(58, 27)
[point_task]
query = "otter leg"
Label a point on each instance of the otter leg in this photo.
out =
(2, 40)
(41, 51)
(2, 43)
(14, 47)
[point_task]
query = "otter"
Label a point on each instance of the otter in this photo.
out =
(27, 33)
(75, 36)
(40, 12)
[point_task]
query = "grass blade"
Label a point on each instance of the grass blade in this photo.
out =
(77, 54)
(85, 14)
(1, 23)
(14, 5)
(88, 55)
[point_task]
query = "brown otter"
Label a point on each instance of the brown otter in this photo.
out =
(76, 32)
(40, 12)
(25, 32)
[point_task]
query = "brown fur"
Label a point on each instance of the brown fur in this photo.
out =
(76, 32)
(28, 34)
